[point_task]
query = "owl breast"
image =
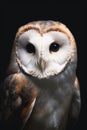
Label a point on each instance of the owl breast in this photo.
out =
(53, 102)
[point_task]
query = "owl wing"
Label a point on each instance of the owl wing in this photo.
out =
(17, 99)
(75, 104)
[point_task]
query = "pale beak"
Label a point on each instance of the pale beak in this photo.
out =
(42, 64)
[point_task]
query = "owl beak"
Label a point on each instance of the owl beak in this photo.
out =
(41, 64)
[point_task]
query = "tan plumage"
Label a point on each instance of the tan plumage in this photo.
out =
(41, 87)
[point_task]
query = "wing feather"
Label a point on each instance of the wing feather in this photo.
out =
(17, 99)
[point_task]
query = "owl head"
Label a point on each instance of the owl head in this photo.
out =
(43, 49)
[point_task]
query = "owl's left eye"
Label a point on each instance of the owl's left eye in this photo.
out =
(54, 47)
(30, 48)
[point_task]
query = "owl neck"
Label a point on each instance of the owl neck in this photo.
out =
(61, 80)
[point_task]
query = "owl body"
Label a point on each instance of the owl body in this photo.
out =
(52, 107)
(41, 88)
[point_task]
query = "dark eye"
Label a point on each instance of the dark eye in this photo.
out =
(30, 48)
(54, 47)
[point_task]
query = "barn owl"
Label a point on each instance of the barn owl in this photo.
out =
(41, 90)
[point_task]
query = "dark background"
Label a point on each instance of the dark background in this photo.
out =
(73, 15)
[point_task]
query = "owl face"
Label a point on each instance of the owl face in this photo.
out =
(43, 54)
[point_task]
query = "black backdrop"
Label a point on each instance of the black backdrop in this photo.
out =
(73, 15)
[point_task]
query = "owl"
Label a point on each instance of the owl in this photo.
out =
(41, 90)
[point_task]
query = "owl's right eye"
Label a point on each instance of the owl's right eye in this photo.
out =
(30, 48)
